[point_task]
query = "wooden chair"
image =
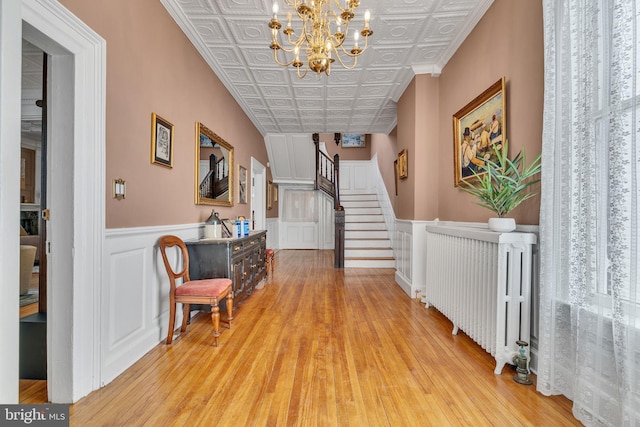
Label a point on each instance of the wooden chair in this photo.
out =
(206, 291)
(270, 262)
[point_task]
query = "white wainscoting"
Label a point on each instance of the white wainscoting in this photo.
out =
(356, 177)
(135, 295)
(326, 223)
(273, 231)
(410, 249)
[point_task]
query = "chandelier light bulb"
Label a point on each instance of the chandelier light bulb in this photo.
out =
(356, 36)
(367, 17)
(275, 10)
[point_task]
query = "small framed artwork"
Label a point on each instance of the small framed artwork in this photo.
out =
(161, 141)
(270, 195)
(478, 131)
(403, 171)
(395, 174)
(242, 182)
(353, 140)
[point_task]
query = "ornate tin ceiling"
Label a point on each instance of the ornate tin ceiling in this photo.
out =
(409, 37)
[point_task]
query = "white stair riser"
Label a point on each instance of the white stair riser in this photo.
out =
(365, 226)
(360, 204)
(363, 211)
(368, 253)
(369, 263)
(352, 197)
(356, 234)
(350, 217)
(367, 243)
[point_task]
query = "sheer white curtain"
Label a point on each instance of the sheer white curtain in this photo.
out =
(589, 344)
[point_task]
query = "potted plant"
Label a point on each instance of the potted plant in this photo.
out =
(503, 184)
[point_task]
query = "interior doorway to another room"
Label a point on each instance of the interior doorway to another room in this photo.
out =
(33, 186)
(258, 194)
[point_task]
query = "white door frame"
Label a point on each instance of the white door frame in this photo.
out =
(77, 96)
(258, 194)
(10, 70)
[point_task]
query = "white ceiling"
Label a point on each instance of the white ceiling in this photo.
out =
(409, 37)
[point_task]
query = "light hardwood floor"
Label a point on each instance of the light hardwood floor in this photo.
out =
(320, 347)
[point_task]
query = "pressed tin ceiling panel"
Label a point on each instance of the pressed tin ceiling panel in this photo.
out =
(408, 35)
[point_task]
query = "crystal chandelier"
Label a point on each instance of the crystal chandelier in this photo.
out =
(325, 24)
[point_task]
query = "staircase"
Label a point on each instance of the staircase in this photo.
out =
(366, 243)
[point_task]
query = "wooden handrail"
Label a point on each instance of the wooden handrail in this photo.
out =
(328, 180)
(216, 182)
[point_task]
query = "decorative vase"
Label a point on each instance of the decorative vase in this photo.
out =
(502, 225)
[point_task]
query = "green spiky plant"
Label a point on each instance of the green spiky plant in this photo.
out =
(503, 184)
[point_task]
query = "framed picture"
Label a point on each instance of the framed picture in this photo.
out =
(395, 174)
(353, 140)
(242, 182)
(270, 195)
(403, 172)
(161, 141)
(478, 129)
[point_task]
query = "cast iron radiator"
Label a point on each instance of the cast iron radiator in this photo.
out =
(481, 281)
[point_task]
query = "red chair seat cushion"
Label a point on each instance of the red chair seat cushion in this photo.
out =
(204, 288)
(269, 252)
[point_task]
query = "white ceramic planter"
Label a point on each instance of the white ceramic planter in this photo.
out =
(502, 225)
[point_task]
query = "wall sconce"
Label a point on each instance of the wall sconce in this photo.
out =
(119, 189)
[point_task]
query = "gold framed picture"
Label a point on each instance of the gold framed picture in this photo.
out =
(161, 141)
(242, 182)
(479, 128)
(403, 171)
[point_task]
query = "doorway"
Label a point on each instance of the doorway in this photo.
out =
(76, 138)
(33, 185)
(258, 194)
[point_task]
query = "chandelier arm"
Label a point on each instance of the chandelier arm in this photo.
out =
(348, 67)
(302, 76)
(352, 55)
(275, 58)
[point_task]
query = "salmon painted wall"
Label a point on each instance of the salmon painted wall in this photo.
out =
(406, 140)
(508, 41)
(153, 68)
(349, 153)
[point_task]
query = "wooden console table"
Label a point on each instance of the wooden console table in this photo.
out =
(242, 259)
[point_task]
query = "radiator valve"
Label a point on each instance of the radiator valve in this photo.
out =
(522, 365)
